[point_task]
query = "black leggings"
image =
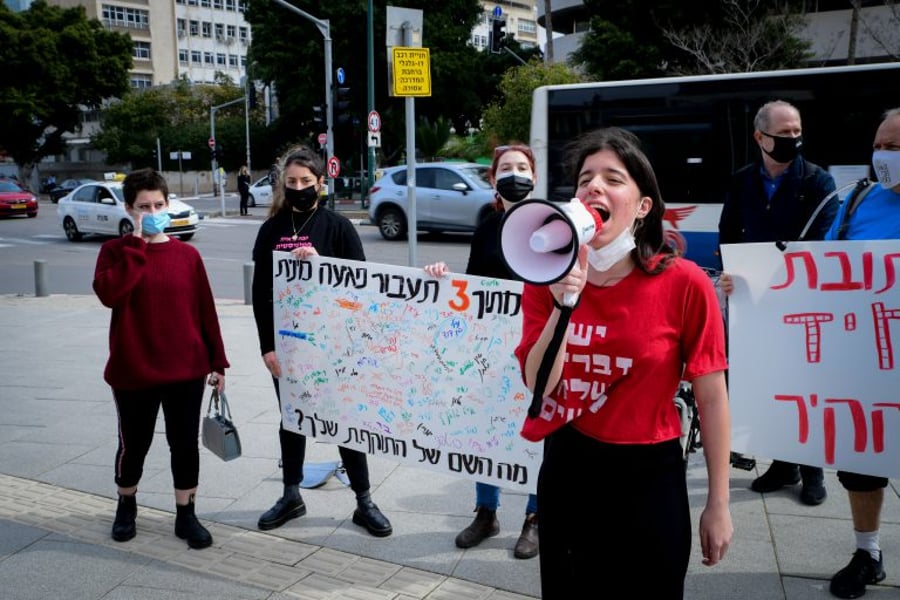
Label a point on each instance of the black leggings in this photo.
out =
(293, 454)
(612, 519)
(137, 409)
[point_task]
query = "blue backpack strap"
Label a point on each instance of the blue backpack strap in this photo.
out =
(863, 187)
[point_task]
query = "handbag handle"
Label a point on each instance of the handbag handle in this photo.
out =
(214, 399)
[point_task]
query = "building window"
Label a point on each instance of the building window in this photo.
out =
(220, 31)
(242, 5)
(242, 34)
(217, 4)
(527, 27)
(141, 50)
(208, 58)
(196, 57)
(230, 5)
(183, 56)
(181, 27)
(244, 61)
(139, 81)
(207, 29)
(195, 27)
(231, 30)
(233, 60)
(206, 3)
(192, 2)
(120, 16)
(221, 60)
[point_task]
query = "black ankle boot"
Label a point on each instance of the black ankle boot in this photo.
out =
(124, 527)
(484, 525)
(188, 527)
(289, 506)
(369, 516)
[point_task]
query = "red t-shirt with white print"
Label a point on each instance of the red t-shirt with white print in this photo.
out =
(627, 348)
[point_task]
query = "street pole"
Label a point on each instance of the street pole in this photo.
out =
(370, 94)
(212, 136)
(247, 118)
(412, 218)
(158, 157)
(325, 29)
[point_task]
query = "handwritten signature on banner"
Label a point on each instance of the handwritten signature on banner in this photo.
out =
(395, 363)
(813, 334)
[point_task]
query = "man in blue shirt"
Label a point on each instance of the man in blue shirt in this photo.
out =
(771, 200)
(877, 217)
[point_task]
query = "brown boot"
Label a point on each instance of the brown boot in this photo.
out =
(527, 544)
(484, 526)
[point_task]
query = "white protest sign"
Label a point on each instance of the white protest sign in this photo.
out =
(390, 361)
(814, 342)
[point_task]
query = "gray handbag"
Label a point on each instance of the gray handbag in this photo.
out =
(219, 435)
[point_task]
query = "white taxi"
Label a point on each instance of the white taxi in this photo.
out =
(99, 207)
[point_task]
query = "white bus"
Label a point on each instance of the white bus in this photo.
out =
(698, 130)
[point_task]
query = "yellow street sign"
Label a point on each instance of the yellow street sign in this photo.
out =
(412, 71)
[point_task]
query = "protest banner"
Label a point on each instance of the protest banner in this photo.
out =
(390, 361)
(813, 337)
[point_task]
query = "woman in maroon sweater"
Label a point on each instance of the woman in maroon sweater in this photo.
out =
(164, 340)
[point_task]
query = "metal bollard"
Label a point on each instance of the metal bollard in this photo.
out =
(40, 278)
(248, 283)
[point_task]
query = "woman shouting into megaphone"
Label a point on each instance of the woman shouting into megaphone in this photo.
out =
(612, 497)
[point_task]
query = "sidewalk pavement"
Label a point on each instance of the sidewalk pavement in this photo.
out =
(57, 442)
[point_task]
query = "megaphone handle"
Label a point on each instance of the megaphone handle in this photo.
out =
(570, 300)
(565, 312)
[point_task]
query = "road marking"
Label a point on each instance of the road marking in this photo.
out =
(13, 241)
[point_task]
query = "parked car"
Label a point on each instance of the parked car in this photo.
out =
(450, 196)
(66, 187)
(16, 200)
(99, 207)
(261, 192)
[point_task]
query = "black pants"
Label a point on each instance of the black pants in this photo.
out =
(137, 410)
(245, 199)
(613, 519)
(293, 455)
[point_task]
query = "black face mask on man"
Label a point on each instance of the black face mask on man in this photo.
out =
(514, 187)
(303, 199)
(784, 149)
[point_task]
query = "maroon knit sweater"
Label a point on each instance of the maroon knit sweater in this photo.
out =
(164, 326)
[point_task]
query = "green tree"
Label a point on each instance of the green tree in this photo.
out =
(178, 114)
(509, 117)
(630, 39)
(288, 51)
(431, 137)
(56, 62)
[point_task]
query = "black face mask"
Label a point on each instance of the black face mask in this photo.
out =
(301, 200)
(514, 188)
(785, 149)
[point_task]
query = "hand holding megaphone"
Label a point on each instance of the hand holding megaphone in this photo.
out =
(540, 240)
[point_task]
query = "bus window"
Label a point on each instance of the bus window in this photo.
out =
(697, 131)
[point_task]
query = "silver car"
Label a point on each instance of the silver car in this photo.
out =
(450, 196)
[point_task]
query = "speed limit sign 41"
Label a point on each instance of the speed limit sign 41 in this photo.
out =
(334, 167)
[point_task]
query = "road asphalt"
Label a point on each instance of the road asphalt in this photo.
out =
(57, 442)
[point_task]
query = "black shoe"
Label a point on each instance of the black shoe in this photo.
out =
(124, 527)
(283, 511)
(813, 492)
(188, 527)
(863, 570)
(527, 544)
(776, 477)
(369, 516)
(484, 525)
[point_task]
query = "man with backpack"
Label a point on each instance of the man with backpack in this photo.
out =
(772, 200)
(870, 213)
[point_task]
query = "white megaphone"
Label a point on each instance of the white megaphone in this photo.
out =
(539, 240)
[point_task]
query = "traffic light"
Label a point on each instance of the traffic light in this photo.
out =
(212, 154)
(498, 33)
(319, 114)
(341, 105)
(251, 96)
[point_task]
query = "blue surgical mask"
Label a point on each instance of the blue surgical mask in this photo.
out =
(152, 224)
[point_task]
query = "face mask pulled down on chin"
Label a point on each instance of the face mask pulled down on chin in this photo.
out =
(886, 164)
(784, 149)
(303, 199)
(514, 187)
(603, 259)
